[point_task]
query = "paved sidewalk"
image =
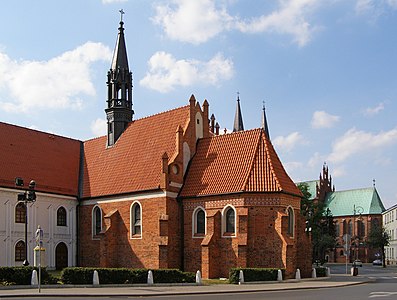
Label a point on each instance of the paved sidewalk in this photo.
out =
(162, 290)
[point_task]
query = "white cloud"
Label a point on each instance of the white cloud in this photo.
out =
(291, 166)
(371, 111)
(191, 21)
(113, 1)
(316, 160)
(355, 141)
(198, 21)
(289, 142)
(374, 8)
(339, 171)
(321, 119)
(98, 127)
(165, 72)
(54, 84)
(290, 18)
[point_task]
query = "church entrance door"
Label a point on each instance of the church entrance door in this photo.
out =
(61, 256)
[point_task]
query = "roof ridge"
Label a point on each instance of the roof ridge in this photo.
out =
(271, 163)
(255, 152)
(41, 131)
(160, 113)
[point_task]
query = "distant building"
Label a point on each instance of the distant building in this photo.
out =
(354, 212)
(390, 224)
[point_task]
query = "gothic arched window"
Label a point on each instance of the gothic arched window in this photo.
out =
(350, 228)
(337, 229)
(61, 216)
(229, 221)
(20, 213)
(96, 220)
(199, 222)
(291, 222)
(136, 220)
(20, 254)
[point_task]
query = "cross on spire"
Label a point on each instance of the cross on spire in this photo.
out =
(121, 11)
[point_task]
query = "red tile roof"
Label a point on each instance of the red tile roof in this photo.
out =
(134, 163)
(236, 162)
(52, 161)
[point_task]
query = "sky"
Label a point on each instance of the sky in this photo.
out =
(325, 69)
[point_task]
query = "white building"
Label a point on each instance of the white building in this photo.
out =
(390, 224)
(53, 162)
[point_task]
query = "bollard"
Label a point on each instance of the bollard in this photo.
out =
(298, 274)
(328, 272)
(241, 277)
(95, 278)
(279, 275)
(314, 273)
(198, 277)
(34, 281)
(150, 277)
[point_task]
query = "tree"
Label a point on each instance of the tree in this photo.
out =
(319, 222)
(379, 239)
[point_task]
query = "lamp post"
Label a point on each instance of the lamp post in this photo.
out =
(28, 196)
(356, 210)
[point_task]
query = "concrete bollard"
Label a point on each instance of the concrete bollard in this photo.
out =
(279, 275)
(314, 273)
(241, 277)
(150, 277)
(198, 278)
(34, 281)
(298, 274)
(328, 272)
(95, 278)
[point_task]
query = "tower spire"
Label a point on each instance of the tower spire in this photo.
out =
(119, 103)
(264, 121)
(238, 117)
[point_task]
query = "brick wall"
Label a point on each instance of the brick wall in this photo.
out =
(261, 236)
(158, 246)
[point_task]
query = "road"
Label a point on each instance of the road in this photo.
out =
(385, 287)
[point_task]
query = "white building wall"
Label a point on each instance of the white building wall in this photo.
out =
(390, 224)
(43, 212)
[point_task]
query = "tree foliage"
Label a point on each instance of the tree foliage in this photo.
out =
(379, 239)
(319, 223)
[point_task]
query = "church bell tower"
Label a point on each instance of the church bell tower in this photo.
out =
(119, 103)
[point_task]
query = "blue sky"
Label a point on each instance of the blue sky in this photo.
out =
(327, 71)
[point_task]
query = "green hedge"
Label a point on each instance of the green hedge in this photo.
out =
(254, 274)
(122, 275)
(321, 271)
(22, 276)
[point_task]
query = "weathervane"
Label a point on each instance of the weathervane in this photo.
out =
(238, 96)
(121, 11)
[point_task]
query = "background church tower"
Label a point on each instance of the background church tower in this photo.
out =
(119, 103)
(238, 117)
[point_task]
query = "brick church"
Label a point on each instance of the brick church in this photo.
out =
(164, 191)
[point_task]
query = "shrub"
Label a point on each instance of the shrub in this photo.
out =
(22, 275)
(321, 271)
(172, 276)
(77, 275)
(254, 274)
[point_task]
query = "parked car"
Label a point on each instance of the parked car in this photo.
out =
(357, 263)
(377, 262)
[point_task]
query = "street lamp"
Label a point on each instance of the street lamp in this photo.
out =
(28, 196)
(356, 210)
